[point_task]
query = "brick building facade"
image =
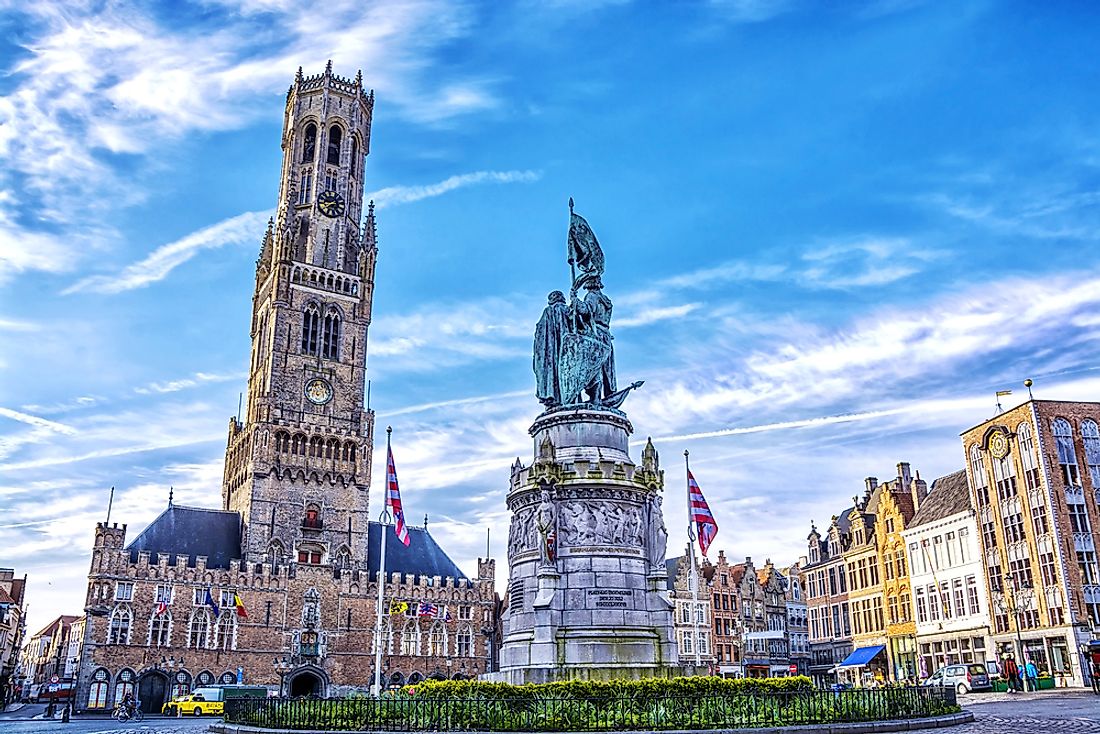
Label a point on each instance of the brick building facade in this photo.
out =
(1034, 478)
(292, 541)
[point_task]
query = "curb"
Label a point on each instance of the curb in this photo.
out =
(858, 727)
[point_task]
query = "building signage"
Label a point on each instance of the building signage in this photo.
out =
(609, 598)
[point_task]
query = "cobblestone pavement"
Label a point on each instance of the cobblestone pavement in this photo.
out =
(1047, 712)
(151, 725)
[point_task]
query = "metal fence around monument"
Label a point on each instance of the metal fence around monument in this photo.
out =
(596, 713)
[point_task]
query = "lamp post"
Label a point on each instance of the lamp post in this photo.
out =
(1013, 601)
(282, 667)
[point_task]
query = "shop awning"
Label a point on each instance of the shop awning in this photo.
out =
(861, 656)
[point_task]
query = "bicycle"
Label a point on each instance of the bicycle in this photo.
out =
(123, 714)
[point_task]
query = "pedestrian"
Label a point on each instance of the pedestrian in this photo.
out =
(1011, 673)
(1031, 676)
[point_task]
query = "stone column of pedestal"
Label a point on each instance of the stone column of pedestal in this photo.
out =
(587, 593)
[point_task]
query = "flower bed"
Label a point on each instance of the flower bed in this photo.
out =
(655, 704)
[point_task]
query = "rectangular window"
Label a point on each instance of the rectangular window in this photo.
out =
(124, 591)
(1013, 522)
(464, 611)
(964, 545)
(959, 597)
(1086, 561)
(226, 600)
(906, 607)
(1020, 569)
(972, 595)
(1039, 514)
(1078, 517)
(933, 604)
(164, 594)
(1048, 566)
(949, 548)
(198, 598)
(989, 532)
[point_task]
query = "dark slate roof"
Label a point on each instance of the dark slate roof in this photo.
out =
(422, 557)
(948, 496)
(191, 531)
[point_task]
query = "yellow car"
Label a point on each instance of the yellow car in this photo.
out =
(195, 704)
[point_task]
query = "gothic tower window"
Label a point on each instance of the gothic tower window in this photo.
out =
(1091, 436)
(305, 186)
(226, 633)
(311, 327)
(160, 629)
(331, 344)
(275, 554)
(1067, 457)
(981, 480)
(118, 633)
(354, 157)
(1027, 455)
(309, 147)
(198, 633)
(335, 136)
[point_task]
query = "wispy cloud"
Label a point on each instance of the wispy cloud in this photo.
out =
(394, 195)
(199, 378)
(34, 420)
(243, 228)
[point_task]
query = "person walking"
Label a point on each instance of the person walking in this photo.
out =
(1011, 673)
(1031, 676)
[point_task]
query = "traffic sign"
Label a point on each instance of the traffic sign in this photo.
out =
(793, 669)
(55, 678)
(54, 687)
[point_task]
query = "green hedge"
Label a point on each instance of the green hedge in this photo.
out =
(678, 703)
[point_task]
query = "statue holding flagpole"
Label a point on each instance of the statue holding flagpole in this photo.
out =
(574, 359)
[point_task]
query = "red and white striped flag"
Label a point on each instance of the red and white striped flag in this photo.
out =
(393, 499)
(700, 515)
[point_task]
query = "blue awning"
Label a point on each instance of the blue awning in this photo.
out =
(861, 656)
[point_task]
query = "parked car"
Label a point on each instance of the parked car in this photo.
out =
(210, 700)
(963, 678)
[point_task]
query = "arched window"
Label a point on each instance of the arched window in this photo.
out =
(309, 144)
(1067, 457)
(1028, 462)
(305, 186)
(97, 691)
(181, 686)
(437, 640)
(1004, 474)
(335, 137)
(387, 638)
(118, 633)
(300, 444)
(228, 678)
(331, 344)
(343, 558)
(355, 157)
(410, 638)
(205, 678)
(981, 479)
(226, 638)
(316, 446)
(198, 632)
(464, 643)
(332, 449)
(1091, 435)
(124, 683)
(311, 327)
(275, 554)
(160, 630)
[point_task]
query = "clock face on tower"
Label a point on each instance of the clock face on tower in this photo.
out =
(998, 445)
(330, 203)
(318, 391)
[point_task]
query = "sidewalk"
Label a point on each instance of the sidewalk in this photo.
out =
(978, 698)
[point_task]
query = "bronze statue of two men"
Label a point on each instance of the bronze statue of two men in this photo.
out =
(574, 359)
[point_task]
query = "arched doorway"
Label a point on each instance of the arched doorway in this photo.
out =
(152, 691)
(306, 683)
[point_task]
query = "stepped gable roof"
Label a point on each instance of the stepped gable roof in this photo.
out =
(191, 531)
(948, 496)
(422, 557)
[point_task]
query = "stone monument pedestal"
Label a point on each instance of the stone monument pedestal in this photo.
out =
(587, 593)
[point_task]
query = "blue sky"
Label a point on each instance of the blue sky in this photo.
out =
(831, 234)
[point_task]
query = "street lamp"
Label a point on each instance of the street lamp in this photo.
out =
(282, 667)
(1014, 604)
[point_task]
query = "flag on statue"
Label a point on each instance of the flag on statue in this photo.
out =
(700, 515)
(240, 606)
(393, 499)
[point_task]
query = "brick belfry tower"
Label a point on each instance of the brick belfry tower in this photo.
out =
(298, 469)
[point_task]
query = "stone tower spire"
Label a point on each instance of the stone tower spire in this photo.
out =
(304, 448)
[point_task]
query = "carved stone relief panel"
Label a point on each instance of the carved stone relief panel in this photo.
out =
(599, 522)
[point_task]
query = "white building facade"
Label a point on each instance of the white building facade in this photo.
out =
(950, 602)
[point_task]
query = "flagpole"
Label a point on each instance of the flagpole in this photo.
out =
(694, 571)
(383, 523)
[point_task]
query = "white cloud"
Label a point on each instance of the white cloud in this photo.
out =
(199, 378)
(33, 420)
(394, 195)
(243, 228)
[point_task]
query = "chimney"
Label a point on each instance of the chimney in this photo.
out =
(903, 474)
(871, 483)
(920, 491)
